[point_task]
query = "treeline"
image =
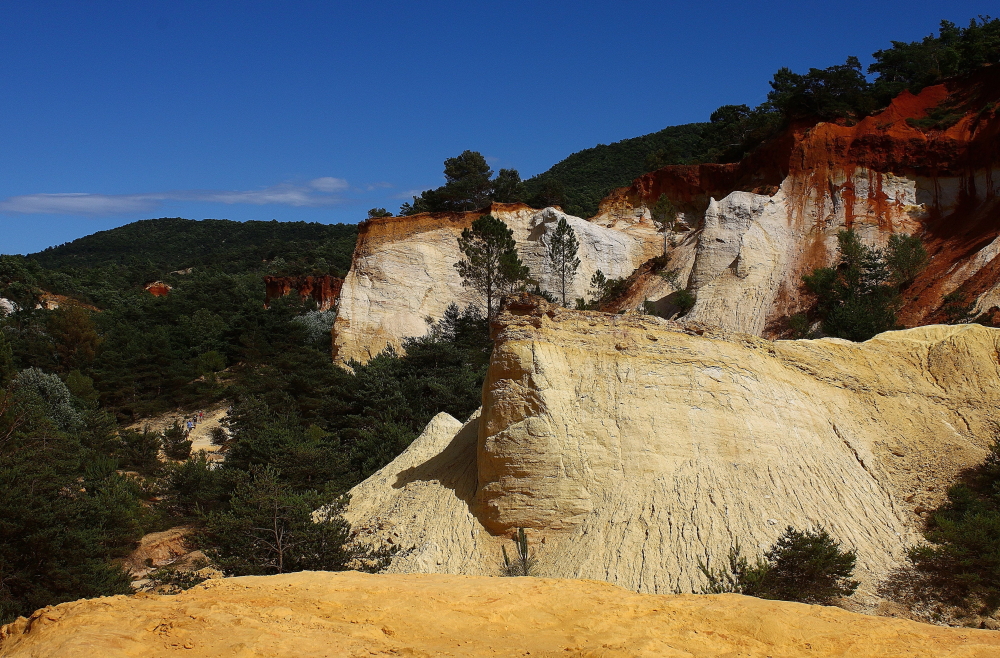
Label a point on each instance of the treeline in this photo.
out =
(79, 489)
(142, 354)
(840, 92)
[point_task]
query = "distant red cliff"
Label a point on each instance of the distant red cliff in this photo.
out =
(323, 289)
(158, 289)
(895, 171)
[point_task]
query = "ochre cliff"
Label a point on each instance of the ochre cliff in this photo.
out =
(403, 272)
(761, 224)
(633, 447)
(309, 614)
(324, 290)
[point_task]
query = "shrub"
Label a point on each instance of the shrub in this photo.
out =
(176, 445)
(269, 528)
(859, 297)
(684, 300)
(139, 451)
(963, 558)
(525, 564)
(808, 567)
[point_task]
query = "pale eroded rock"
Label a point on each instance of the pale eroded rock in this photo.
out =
(635, 448)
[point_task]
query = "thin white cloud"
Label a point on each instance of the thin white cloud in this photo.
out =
(319, 192)
(409, 194)
(328, 184)
(78, 204)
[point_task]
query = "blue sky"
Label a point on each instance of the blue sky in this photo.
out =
(116, 111)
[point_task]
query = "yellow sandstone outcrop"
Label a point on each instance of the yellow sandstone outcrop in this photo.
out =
(403, 275)
(311, 614)
(632, 447)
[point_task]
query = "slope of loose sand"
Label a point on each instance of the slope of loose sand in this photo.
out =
(351, 614)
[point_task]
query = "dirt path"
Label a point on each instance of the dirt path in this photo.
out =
(201, 435)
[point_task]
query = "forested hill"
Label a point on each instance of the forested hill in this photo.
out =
(175, 243)
(586, 177)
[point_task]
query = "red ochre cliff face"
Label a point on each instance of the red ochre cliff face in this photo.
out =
(879, 176)
(158, 289)
(323, 289)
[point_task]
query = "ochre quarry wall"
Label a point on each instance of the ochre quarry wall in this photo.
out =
(759, 225)
(314, 614)
(632, 447)
(324, 290)
(403, 275)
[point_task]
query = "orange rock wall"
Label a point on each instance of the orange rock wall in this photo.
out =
(323, 289)
(879, 176)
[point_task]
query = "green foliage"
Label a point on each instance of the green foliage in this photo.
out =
(683, 300)
(963, 557)
(956, 310)
(918, 64)
(195, 487)
(809, 567)
(860, 297)
(319, 423)
(561, 251)
(147, 249)
(138, 451)
(906, 257)
(19, 281)
(525, 564)
(602, 290)
(146, 355)
(580, 181)
(491, 266)
(825, 94)
(176, 445)
(942, 117)
(737, 576)
(66, 511)
(269, 528)
(376, 213)
(53, 394)
(470, 186)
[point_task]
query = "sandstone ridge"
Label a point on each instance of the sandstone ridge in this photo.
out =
(632, 447)
(403, 274)
(351, 614)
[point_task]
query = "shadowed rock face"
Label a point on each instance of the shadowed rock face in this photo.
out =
(636, 447)
(764, 222)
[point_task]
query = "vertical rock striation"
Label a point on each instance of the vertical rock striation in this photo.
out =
(634, 447)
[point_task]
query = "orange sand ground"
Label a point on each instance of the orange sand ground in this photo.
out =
(351, 614)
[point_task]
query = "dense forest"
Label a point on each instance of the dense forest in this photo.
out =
(73, 377)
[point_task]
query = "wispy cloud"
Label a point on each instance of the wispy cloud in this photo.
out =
(328, 184)
(317, 192)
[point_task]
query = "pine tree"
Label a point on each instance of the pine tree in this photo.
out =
(491, 266)
(562, 250)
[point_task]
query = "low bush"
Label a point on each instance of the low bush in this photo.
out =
(808, 567)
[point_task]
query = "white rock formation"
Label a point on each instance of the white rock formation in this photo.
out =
(634, 448)
(403, 276)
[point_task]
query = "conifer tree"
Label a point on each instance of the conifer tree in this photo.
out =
(562, 249)
(491, 266)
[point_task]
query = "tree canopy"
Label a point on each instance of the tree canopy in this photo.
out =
(469, 186)
(491, 265)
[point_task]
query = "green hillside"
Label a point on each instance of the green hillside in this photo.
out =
(585, 177)
(175, 243)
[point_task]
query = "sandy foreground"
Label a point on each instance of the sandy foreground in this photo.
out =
(353, 614)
